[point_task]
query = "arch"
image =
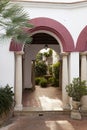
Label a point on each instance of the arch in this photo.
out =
(82, 41)
(53, 26)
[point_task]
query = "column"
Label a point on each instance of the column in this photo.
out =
(84, 77)
(33, 75)
(60, 75)
(83, 66)
(73, 66)
(18, 80)
(65, 82)
(27, 72)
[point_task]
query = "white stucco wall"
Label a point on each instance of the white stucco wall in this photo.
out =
(73, 17)
(6, 64)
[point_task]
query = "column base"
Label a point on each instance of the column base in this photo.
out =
(75, 114)
(18, 107)
(66, 107)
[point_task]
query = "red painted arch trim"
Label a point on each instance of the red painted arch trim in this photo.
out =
(55, 27)
(82, 41)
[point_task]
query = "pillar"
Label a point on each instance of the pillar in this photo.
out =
(84, 77)
(18, 80)
(33, 75)
(73, 66)
(27, 72)
(65, 82)
(60, 75)
(83, 66)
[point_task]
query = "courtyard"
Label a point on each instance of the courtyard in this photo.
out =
(45, 122)
(43, 99)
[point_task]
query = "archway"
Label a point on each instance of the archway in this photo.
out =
(41, 98)
(63, 39)
(53, 26)
(81, 44)
(81, 47)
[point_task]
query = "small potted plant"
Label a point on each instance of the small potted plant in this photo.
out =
(76, 90)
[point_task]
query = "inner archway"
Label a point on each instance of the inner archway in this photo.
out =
(40, 41)
(30, 51)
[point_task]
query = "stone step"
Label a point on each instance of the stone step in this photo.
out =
(28, 112)
(38, 112)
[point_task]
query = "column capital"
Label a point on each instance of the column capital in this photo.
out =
(65, 53)
(19, 52)
(83, 53)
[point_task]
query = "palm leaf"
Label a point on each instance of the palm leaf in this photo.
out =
(13, 19)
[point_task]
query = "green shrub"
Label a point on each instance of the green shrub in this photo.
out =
(38, 57)
(6, 99)
(76, 89)
(40, 69)
(43, 82)
(53, 81)
(56, 70)
(50, 69)
(48, 54)
(37, 80)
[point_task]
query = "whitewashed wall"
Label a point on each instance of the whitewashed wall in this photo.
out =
(6, 64)
(73, 17)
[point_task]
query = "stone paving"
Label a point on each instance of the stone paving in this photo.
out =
(47, 122)
(49, 98)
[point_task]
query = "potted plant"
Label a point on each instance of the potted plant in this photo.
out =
(6, 103)
(76, 90)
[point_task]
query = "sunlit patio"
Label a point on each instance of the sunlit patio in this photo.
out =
(45, 99)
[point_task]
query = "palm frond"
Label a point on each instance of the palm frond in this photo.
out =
(3, 4)
(13, 19)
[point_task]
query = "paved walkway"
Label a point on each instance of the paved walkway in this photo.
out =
(45, 99)
(49, 98)
(51, 122)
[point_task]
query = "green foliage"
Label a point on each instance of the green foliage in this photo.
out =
(48, 54)
(53, 81)
(6, 99)
(37, 80)
(40, 69)
(43, 82)
(76, 89)
(56, 70)
(50, 69)
(13, 20)
(39, 57)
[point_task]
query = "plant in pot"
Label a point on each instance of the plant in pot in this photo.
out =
(6, 103)
(76, 90)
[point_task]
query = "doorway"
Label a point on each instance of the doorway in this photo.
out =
(35, 96)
